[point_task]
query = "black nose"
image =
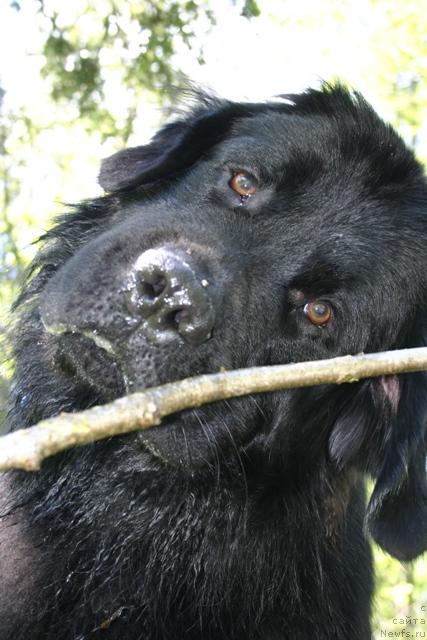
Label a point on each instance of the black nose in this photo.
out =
(173, 301)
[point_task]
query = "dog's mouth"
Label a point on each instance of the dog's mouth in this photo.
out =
(90, 363)
(193, 438)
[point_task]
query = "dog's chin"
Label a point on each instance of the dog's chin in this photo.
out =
(179, 441)
(163, 444)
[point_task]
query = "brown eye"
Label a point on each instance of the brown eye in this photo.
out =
(244, 184)
(318, 312)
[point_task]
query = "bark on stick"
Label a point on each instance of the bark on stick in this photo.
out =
(27, 448)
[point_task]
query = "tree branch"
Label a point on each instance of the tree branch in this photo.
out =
(27, 448)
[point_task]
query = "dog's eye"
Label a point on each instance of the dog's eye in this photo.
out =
(318, 312)
(244, 184)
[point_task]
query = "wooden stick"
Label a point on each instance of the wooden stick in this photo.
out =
(27, 448)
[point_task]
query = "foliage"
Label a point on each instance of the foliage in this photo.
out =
(402, 67)
(138, 38)
(250, 9)
(401, 597)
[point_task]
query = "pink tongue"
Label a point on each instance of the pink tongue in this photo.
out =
(391, 387)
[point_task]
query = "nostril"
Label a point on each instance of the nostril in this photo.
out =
(176, 317)
(152, 290)
(182, 315)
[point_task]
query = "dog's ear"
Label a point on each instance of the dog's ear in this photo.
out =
(383, 432)
(173, 149)
(397, 511)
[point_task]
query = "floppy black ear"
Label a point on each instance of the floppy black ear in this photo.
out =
(397, 511)
(383, 431)
(173, 149)
(397, 514)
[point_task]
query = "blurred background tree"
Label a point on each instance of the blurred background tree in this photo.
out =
(80, 79)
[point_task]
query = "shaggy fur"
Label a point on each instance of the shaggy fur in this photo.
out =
(241, 520)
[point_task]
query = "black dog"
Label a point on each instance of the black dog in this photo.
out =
(243, 235)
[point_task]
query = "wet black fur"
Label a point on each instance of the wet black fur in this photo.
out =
(243, 520)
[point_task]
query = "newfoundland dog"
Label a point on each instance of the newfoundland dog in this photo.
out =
(242, 235)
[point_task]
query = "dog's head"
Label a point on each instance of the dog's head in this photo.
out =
(257, 234)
